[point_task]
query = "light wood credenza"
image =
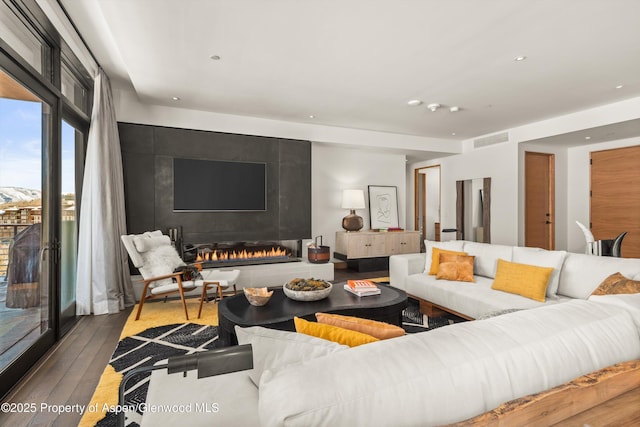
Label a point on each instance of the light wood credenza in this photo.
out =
(370, 250)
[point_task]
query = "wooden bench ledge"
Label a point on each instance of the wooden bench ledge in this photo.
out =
(562, 402)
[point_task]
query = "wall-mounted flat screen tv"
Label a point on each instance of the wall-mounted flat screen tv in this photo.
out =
(215, 185)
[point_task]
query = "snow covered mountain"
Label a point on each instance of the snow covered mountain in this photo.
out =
(18, 194)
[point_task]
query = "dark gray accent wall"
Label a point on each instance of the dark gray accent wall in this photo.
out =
(147, 157)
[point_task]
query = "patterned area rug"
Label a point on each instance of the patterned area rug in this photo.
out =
(159, 334)
(147, 348)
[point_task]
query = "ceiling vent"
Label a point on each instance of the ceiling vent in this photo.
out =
(491, 140)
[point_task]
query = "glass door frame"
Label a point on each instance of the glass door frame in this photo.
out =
(73, 106)
(51, 130)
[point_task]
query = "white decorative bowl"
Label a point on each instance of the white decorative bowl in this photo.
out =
(257, 296)
(308, 295)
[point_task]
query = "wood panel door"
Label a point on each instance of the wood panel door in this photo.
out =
(539, 216)
(615, 197)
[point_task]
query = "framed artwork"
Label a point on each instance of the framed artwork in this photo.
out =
(383, 206)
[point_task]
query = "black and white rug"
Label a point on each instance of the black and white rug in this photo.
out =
(147, 348)
(155, 344)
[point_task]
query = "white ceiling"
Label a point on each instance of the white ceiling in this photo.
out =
(356, 63)
(616, 131)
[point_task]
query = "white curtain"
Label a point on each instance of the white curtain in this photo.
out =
(103, 282)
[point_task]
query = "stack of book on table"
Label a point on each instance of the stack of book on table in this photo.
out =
(362, 288)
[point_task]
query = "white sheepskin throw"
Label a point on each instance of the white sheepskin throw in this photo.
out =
(160, 261)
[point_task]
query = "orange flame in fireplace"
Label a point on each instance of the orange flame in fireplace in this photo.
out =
(240, 255)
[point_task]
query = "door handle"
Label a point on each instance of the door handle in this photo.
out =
(43, 250)
(53, 247)
(547, 222)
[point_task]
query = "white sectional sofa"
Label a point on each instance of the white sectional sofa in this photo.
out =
(432, 378)
(444, 376)
(575, 276)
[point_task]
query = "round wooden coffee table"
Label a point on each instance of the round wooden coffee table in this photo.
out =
(279, 312)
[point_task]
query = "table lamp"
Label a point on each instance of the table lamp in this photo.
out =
(352, 200)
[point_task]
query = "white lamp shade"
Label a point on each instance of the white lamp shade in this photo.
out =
(353, 199)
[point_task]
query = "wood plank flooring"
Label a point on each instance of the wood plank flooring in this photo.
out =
(69, 374)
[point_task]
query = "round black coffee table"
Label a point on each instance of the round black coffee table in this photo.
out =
(279, 312)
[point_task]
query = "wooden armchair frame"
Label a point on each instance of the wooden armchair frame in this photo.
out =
(181, 288)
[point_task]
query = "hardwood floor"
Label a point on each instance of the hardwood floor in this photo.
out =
(69, 373)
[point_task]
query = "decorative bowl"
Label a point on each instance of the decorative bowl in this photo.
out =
(257, 296)
(307, 289)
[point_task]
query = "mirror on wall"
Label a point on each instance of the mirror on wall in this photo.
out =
(473, 210)
(473, 215)
(427, 203)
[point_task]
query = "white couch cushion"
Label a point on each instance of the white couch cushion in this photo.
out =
(542, 258)
(402, 266)
(451, 245)
(582, 274)
(471, 299)
(452, 373)
(487, 256)
(272, 348)
(629, 302)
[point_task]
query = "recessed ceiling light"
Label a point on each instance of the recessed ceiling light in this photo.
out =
(215, 57)
(519, 58)
(454, 109)
(414, 103)
(619, 86)
(587, 137)
(175, 98)
(311, 116)
(433, 107)
(453, 133)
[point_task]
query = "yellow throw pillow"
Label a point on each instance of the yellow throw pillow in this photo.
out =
(617, 284)
(380, 330)
(332, 333)
(435, 258)
(526, 280)
(456, 267)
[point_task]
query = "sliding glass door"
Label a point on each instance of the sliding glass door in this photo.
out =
(27, 239)
(45, 110)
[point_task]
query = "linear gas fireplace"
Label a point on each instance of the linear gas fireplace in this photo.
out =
(230, 254)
